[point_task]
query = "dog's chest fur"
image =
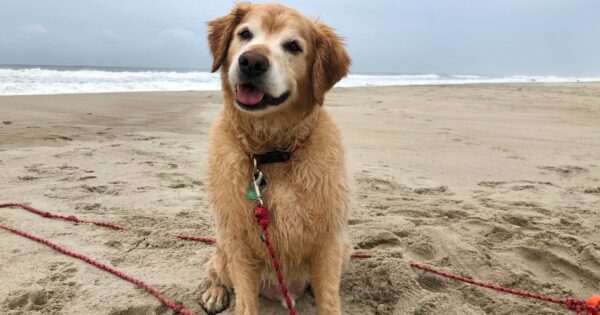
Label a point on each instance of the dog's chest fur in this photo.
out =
(308, 196)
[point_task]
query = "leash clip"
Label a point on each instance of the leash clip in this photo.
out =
(257, 180)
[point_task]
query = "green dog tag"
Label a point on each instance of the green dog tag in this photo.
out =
(250, 193)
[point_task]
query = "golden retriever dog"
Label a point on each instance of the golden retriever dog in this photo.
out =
(276, 66)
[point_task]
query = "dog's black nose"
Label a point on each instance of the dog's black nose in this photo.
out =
(253, 64)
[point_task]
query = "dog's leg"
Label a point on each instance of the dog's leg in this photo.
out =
(325, 274)
(245, 274)
(216, 298)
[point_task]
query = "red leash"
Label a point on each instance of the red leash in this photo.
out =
(178, 308)
(576, 305)
(573, 304)
(71, 218)
(175, 307)
(262, 218)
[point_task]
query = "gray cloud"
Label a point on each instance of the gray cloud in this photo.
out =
(108, 36)
(180, 35)
(33, 29)
(427, 36)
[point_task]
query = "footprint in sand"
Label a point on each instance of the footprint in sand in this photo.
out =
(178, 185)
(423, 250)
(100, 189)
(31, 300)
(357, 221)
(518, 196)
(378, 238)
(378, 285)
(152, 163)
(145, 138)
(63, 275)
(149, 163)
(456, 137)
(144, 188)
(518, 220)
(594, 190)
(18, 301)
(114, 244)
(38, 298)
(431, 283)
(565, 170)
(88, 206)
(491, 184)
(550, 263)
(140, 310)
(378, 184)
(431, 190)
(179, 180)
(58, 137)
(68, 167)
(106, 135)
(38, 169)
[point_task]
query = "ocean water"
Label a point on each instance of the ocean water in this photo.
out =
(31, 80)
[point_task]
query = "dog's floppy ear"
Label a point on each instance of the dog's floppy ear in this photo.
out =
(220, 33)
(331, 61)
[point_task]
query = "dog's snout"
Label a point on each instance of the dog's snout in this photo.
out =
(253, 64)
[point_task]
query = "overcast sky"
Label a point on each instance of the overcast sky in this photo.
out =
(541, 37)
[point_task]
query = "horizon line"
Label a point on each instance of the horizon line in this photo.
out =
(175, 69)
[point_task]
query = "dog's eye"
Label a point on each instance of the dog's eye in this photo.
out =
(293, 47)
(245, 34)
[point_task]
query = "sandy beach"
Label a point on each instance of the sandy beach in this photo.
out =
(497, 182)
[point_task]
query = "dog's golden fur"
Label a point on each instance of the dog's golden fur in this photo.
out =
(308, 196)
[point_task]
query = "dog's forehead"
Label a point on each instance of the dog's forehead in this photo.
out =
(275, 19)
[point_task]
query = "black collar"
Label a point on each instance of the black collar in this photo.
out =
(277, 156)
(273, 156)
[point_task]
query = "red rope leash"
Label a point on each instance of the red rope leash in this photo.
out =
(175, 307)
(575, 305)
(178, 308)
(201, 239)
(71, 218)
(360, 255)
(262, 218)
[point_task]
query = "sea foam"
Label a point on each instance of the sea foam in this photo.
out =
(40, 80)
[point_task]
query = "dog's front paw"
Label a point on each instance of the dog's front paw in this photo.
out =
(215, 299)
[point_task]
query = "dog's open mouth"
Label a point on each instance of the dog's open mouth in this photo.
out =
(250, 97)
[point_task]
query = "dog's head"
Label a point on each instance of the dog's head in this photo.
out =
(272, 57)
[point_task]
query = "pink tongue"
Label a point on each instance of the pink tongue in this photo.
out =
(249, 95)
